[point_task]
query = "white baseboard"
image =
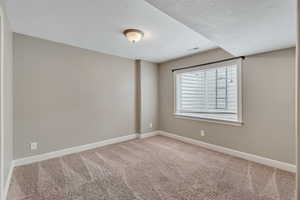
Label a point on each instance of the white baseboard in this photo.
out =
(54, 154)
(46, 156)
(8, 180)
(150, 134)
(246, 156)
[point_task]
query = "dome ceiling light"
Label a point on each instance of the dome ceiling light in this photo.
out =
(133, 35)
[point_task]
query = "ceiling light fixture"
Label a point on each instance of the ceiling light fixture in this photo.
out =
(133, 35)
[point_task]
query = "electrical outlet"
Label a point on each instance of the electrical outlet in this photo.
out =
(202, 133)
(150, 125)
(33, 146)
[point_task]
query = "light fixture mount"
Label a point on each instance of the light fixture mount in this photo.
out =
(133, 35)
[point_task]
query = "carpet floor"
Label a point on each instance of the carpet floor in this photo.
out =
(156, 168)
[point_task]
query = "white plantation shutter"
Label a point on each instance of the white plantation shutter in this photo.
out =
(209, 91)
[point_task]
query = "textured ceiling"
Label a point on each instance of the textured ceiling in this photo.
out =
(241, 27)
(98, 25)
(172, 27)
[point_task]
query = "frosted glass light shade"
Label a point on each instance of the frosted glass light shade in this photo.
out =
(133, 35)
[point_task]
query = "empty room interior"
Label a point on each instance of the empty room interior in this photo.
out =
(149, 100)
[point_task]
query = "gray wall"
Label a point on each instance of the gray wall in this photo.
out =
(66, 96)
(298, 101)
(148, 96)
(7, 98)
(268, 106)
(138, 95)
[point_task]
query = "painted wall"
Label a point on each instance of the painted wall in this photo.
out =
(297, 103)
(268, 105)
(66, 96)
(149, 96)
(6, 98)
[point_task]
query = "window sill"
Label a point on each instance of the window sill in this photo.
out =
(198, 117)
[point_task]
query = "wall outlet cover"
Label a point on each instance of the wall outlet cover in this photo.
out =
(202, 133)
(33, 146)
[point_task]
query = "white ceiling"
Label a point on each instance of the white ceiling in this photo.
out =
(98, 25)
(172, 27)
(241, 27)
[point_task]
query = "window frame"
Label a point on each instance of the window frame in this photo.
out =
(198, 117)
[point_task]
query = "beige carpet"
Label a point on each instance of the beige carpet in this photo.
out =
(156, 168)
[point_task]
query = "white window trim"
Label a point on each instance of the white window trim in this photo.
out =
(239, 121)
(210, 120)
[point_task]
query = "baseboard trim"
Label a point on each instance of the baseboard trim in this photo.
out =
(149, 134)
(8, 180)
(246, 156)
(59, 153)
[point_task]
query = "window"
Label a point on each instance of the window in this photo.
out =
(210, 92)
